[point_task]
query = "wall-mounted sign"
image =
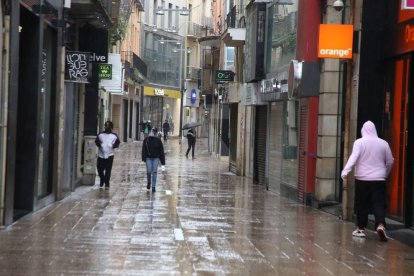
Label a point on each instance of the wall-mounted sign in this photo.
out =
(77, 67)
(193, 96)
(335, 41)
(105, 71)
(295, 77)
(403, 39)
(223, 76)
(159, 92)
(115, 84)
(407, 4)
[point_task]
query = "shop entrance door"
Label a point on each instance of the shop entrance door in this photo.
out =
(400, 183)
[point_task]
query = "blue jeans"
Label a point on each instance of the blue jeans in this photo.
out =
(152, 167)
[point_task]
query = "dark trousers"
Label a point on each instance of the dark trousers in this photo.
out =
(191, 145)
(370, 197)
(104, 167)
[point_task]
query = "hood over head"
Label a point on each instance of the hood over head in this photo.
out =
(369, 130)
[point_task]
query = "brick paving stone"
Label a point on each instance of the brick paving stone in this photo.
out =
(201, 221)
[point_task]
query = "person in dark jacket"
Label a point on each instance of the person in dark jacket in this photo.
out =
(165, 129)
(152, 155)
(106, 141)
(191, 137)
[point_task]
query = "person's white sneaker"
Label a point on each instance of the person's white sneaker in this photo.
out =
(359, 233)
(381, 233)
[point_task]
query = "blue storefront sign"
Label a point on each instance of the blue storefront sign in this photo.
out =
(193, 96)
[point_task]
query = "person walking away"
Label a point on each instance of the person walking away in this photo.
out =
(106, 141)
(191, 137)
(152, 155)
(165, 129)
(373, 161)
(147, 128)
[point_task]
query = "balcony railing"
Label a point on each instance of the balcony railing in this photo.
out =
(236, 18)
(139, 64)
(194, 29)
(192, 73)
(207, 22)
(132, 64)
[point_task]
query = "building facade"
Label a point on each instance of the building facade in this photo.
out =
(47, 118)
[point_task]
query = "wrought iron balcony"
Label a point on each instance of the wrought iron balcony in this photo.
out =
(236, 18)
(101, 14)
(235, 27)
(194, 30)
(135, 67)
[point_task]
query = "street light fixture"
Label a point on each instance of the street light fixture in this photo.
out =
(183, 11)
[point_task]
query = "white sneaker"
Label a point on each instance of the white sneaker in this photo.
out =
(359, 233)
(381, 233)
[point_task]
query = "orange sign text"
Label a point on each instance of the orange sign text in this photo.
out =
(335, 41)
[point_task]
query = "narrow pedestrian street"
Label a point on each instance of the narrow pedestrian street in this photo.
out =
(201, 221)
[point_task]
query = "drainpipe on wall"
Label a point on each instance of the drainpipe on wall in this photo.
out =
(4, 61)
(60, 115)
(347, 189)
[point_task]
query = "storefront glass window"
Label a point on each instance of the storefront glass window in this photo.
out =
(281, 35)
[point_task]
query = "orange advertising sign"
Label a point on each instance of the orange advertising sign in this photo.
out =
(335, 41)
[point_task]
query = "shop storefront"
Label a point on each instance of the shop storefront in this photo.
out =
(162, 104)
(399, 119)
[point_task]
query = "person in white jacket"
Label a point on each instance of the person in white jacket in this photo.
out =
(106, 141)
(373, 161)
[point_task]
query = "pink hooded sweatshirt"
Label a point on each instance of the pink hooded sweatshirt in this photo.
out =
(371, 156)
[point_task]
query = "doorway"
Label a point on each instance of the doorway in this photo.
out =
(125, 121)
(398, 109)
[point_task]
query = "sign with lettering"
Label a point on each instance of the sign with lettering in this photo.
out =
(335, 41)
(223, 76)
(105, 71)
(159, 92)
(407, 4)
(403, 38)
(77, 67)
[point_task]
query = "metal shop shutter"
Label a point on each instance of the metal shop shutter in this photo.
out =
(260, 145)
(275, 146)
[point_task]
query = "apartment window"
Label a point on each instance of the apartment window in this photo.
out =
(154, 13)
(177, 17)
(147, 12)
(162, 17)
(190, 14)
(229, 58)
(170, 16)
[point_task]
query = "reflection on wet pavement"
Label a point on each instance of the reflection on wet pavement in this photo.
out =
(201, 221)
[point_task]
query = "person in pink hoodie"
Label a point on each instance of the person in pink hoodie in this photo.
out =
(373, 161)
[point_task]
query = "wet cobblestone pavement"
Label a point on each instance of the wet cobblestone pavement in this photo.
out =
(201, 221)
